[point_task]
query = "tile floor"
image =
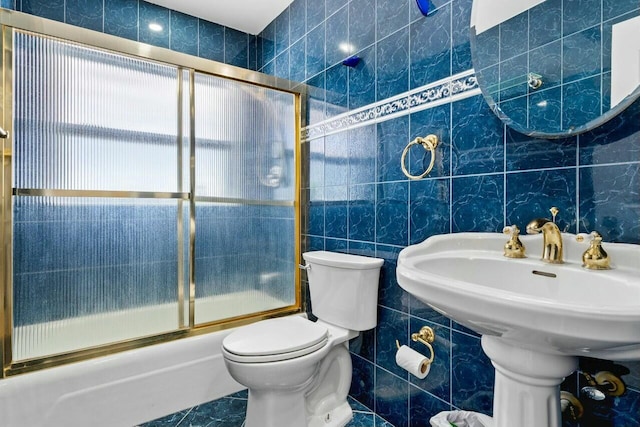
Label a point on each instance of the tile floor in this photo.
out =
(229, 412)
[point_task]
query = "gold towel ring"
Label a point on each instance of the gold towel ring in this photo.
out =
(430, 142)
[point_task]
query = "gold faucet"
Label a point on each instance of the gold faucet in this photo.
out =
(552, 238)
(595, 258)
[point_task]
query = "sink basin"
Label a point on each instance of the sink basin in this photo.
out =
(553, 308)
(535, 318)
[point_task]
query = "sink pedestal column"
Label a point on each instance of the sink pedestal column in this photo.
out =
(527, 387)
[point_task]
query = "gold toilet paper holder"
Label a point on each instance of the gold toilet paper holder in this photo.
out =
(425, 336)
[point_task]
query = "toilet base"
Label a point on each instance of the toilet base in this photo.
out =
(274, 409)
(338, 417)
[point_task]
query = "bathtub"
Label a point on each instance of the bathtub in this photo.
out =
(123, 389)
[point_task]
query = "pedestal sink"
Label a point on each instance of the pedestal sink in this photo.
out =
(535, 318)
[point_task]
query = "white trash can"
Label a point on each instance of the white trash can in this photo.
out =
(461, 419)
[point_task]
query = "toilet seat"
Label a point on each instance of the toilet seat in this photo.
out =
(275, 340)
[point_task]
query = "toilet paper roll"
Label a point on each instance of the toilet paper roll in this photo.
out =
(409, 359)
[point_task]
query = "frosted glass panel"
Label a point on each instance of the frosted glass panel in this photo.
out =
(92, 271)
(244, 260)
(86, 119)
(245, 138)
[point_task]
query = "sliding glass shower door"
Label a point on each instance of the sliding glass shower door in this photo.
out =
(146, 198)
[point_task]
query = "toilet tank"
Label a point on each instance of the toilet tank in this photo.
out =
(344, 288)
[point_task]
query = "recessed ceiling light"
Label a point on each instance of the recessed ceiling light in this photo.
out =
(155, 27)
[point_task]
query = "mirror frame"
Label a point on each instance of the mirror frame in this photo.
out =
(590, 125)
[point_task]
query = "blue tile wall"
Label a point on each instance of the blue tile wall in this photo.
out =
(130, 19)
(485, 176)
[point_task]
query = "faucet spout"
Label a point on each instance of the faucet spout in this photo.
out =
(551, 239)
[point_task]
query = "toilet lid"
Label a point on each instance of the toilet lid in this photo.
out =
(276, 338)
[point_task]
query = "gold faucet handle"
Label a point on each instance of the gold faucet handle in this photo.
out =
(595, 257)
(514, 247)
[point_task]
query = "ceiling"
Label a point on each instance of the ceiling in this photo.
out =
(250, 16)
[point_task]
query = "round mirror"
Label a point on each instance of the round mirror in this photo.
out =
(553, 68)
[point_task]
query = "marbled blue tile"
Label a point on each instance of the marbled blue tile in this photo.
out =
(392, 137)
(362, 23)
(364, 344)
(170, 420)
(511, 41)
(545, 23)
(392, 397)
(435, 121)
(268, 42)
(614, 8)
(85, 13)
(478, 145)
(336, 212)
(430, 51)
(253, 52)
(315, 13)
(419, 309)
(437, 382)
(337, 91)
(582, 54)
(336, 159)
(461, 45)
(545, 110)
(121, 18)
(219, 413)
(297, 20)
(486, 48)
(362, 155)
(390, 294)
(236, 47)
(362, 381)
(610, 202)
(513, 74)
(518, 109)
(8, 4)
(184, 33)
(282, 32)
(334, 5)
(362, 248)
(392, 325)
(547, 62)
(337, 38)
(361, 419)
(315, 243)
(392, 213)
(153, 14)
(362, 212)
(316, 99)
(525, 152)
(316, 215)
(282, 66)
(428, 209)
(211, 43)
(50, 9)
(472, 375)
(315, 50)
(477, 203)
(531, 194)
(392, 55)
(423, 406)
(362, 81)
(297, 61)
(336, 245)
(616, 141)
(391, 15)
(578, 15)
(581, 102)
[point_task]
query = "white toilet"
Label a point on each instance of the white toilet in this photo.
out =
(298, 372)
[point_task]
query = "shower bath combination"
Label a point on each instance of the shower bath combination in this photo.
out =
(162, 207)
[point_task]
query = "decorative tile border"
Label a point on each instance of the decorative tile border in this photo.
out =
(451, 89)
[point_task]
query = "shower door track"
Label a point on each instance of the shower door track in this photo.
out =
(10, 21)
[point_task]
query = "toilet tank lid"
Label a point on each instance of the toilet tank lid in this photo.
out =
(336, 259)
